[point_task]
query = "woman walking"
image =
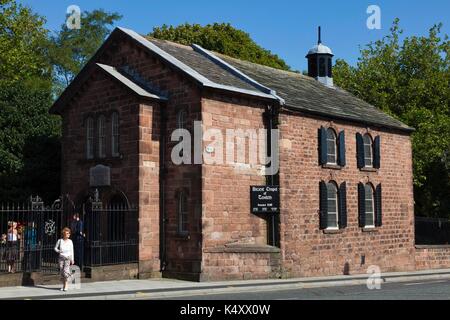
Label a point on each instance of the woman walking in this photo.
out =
(64, 247)
(12, 246)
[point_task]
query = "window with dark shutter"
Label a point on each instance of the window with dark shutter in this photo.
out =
(378, 207)
(323, 205)
(343, 206)
(332, 206)
(322, 146)
(361, 205)
(376, 152)
(368, 151)
(331, 147)
(342, 160)
(369, 206)
(360, 150)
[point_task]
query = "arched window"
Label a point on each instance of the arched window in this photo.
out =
(368, 151)
(332, 203)
(369, 206)
(89, 138)
(182, 213)
(101, 137)
(331, 147)
(181, 119)
(115, 134)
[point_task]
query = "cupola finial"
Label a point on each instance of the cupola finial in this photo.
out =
(320, 35)
(320, 61)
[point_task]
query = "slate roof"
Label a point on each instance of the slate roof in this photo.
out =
(212, 70)
(201, 64)
(300, 92)
(143, 92)
(306, 94)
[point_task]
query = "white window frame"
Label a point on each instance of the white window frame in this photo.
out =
(372, 199)
(101, 135)
(90, 138)
(334, 140)
(370, 144)
(115, 134)
(335, 192)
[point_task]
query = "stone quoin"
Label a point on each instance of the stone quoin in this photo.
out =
(345, 168)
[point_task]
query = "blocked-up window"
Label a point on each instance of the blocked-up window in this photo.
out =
(89, 138)
(115, 134)
(182, 208)
(101, 130)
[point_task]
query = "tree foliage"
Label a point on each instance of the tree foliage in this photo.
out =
(71, 49)
(410, 80)
(222, 38)
(27, 163)
(29, 143)
(23, 45)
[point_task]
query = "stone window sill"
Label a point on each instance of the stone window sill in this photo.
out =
(101, 160)
(333, 231)
(331, 166)
(370, 230)
(369, 169)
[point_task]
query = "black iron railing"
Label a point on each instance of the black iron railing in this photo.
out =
(432, 231)
(30, 231)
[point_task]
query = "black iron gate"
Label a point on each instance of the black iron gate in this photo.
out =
(29, 233)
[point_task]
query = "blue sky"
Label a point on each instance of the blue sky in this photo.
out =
(287, 28)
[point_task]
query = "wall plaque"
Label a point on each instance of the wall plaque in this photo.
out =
(100, 176)
(265, 199)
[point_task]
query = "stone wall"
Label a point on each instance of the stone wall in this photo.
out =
(432, 257)
(309, 251)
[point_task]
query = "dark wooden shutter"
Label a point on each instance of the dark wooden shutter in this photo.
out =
(343, 206)
(378, 207)
(360, 150)
(342, 160)
(362, 205)
(322, 146)
(323, 205)
(376, 153)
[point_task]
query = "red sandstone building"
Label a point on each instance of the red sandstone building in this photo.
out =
(345, 167)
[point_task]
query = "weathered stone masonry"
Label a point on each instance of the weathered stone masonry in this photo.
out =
(224, 240)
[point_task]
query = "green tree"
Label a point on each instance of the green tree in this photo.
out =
(23, 45)
(29, 144)
(411, 81)
(28, 134)
(222, 38)
(71, 49)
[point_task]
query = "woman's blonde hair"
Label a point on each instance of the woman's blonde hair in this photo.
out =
(64, 231)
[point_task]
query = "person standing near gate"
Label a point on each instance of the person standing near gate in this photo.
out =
(64, 247)
(78, 239)
(12, 246)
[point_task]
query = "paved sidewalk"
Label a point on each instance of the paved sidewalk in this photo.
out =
(136, 289)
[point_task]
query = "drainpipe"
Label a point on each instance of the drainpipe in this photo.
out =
(162, 179)
(271, 115)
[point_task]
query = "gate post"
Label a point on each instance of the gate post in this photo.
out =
(36, 203)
